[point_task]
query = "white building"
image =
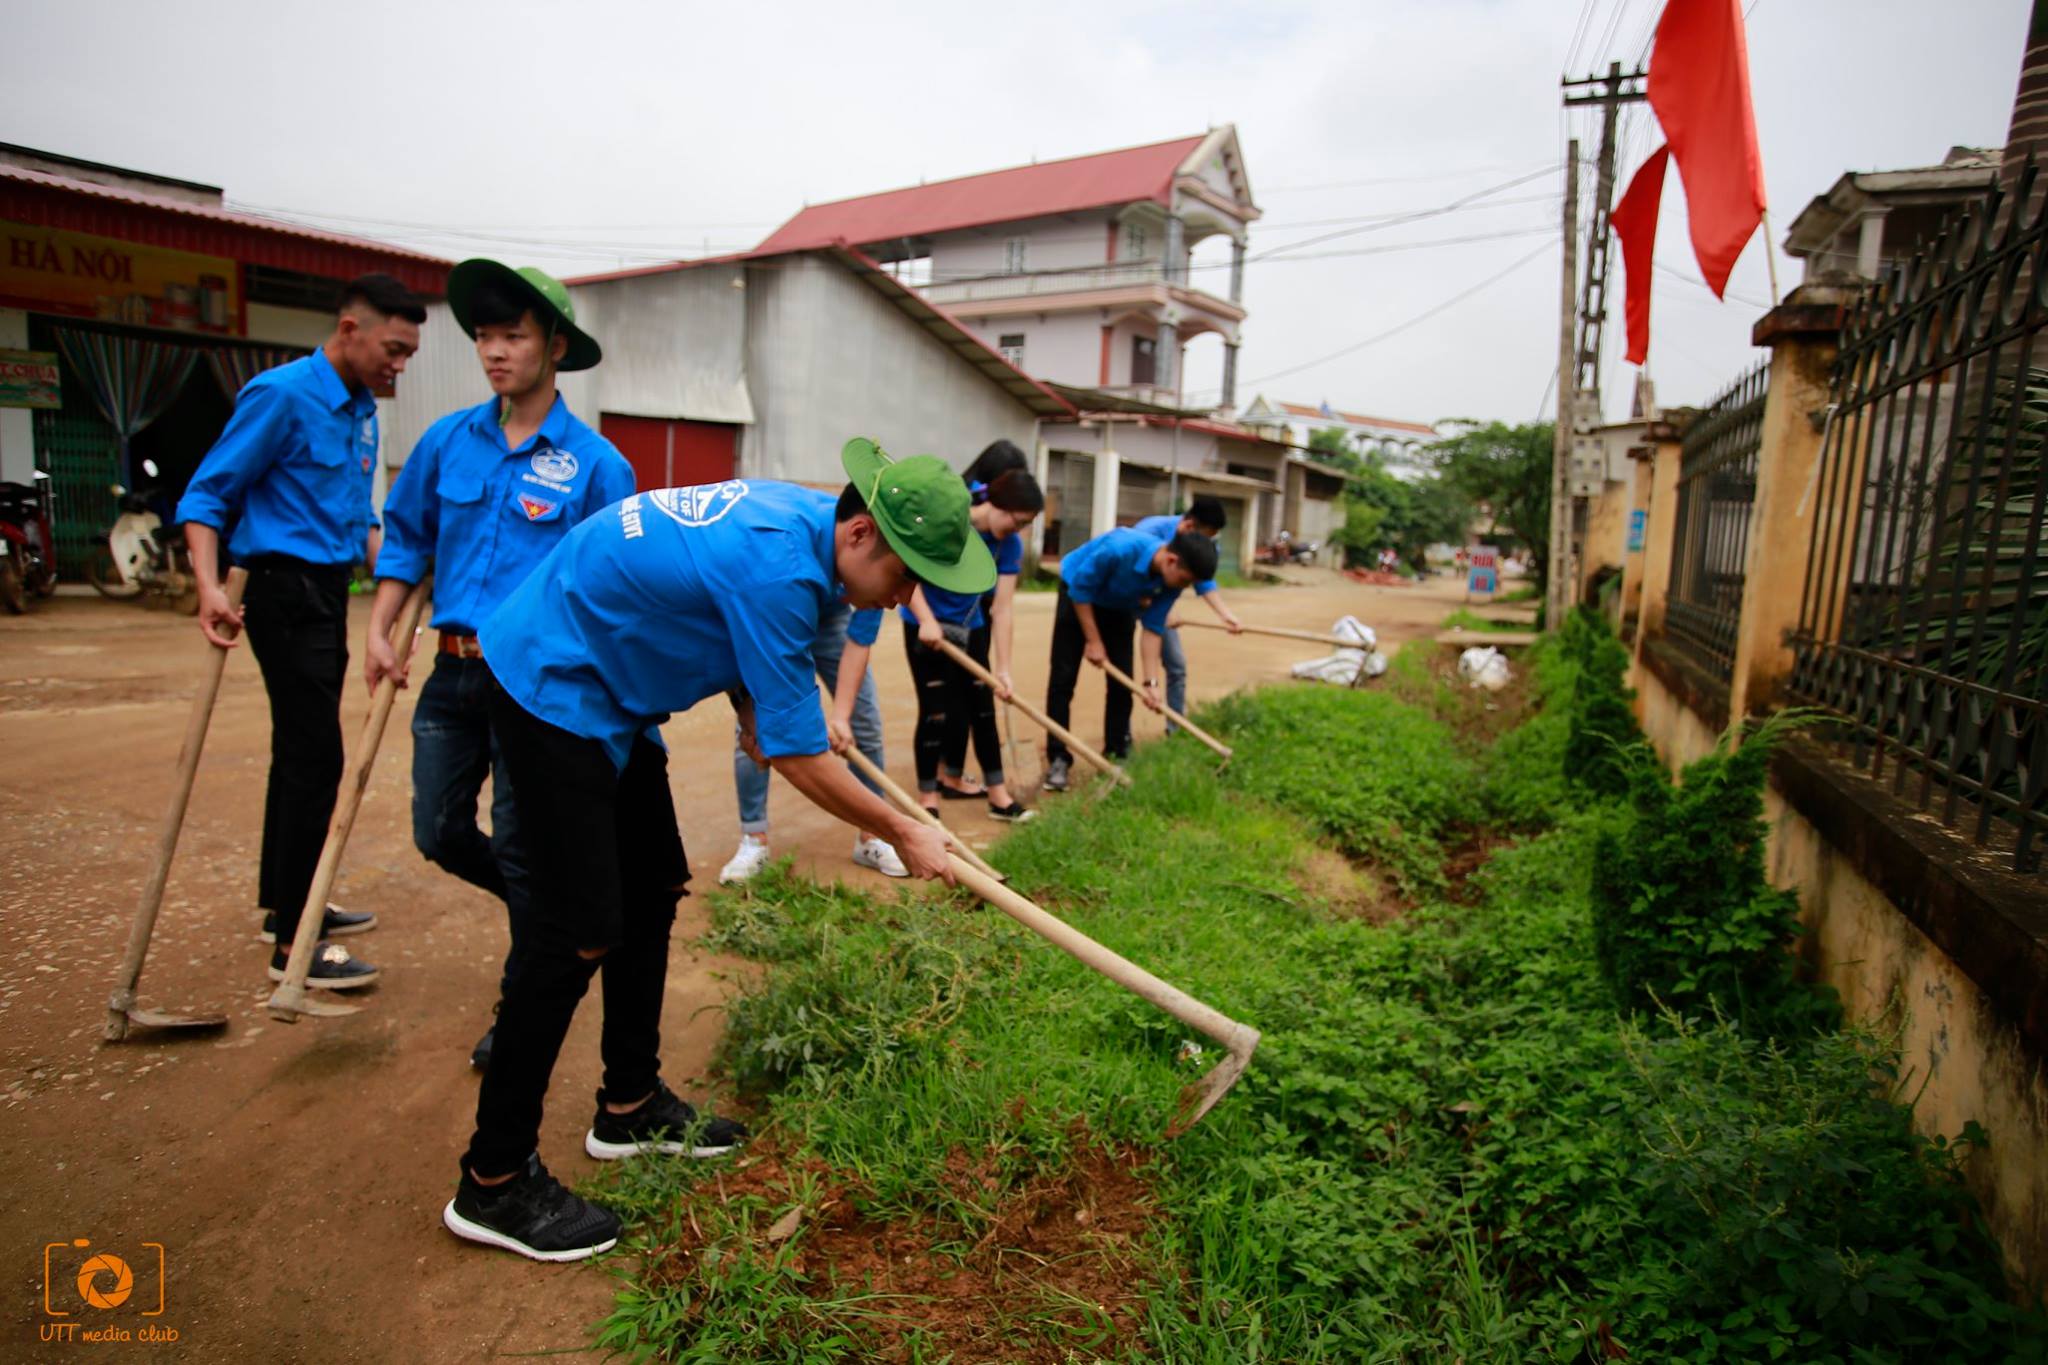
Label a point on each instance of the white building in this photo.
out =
(1400, 444)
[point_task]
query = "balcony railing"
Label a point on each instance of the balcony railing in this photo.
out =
(1080, 280)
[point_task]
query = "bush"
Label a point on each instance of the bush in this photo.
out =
(1604, 744)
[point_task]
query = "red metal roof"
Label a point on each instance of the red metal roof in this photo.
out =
(56, 201)
(1079, 182)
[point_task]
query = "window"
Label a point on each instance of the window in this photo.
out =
(1144, 360)
(1011, 344)
(1134, 241)
(1013, 256)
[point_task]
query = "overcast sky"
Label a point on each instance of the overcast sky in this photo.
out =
(581, 136)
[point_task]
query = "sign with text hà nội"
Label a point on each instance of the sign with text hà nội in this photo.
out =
(29, 379)
(79, 275)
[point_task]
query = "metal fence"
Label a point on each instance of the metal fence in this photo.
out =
(1716, 486)
(1924, 616)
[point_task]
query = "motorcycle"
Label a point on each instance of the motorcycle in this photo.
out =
(137, 559)
(1285, 549)
(28, 555)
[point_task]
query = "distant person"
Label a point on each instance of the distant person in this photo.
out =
(1205, 517)
(291, 474)
(1107, 588)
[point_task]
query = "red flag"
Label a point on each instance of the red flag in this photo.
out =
(1699, 86)
(1634, 220)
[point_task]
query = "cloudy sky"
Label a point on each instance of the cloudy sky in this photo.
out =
(584, 136)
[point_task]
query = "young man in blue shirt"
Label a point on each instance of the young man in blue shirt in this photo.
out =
(486, 493)
(646, 609)
(288, 483)
(1204, 517)
(1108, 587)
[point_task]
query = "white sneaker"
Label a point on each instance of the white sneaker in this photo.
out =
(880, 856)
(752, 856)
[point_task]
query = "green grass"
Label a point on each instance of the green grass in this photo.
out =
(1462, 619)
(1448, 1147)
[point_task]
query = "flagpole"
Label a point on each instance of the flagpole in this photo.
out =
(1770, 252)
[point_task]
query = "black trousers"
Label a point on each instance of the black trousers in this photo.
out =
(1117, 629)
(948, 695)
(608, 867)
(959, 727)
(297, 618)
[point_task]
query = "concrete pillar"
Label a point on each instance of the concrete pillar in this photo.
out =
(1230, 374)
(1666, 451)
(1166, 362)
(1102, 514)
(1641, 461)
(17, 425)
(1176, 250)
(1803, 333)
(1237, 270)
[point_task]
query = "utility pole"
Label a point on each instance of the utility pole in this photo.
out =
(1557, 590)
(1582, 323)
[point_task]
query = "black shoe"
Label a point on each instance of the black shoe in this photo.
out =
(480, 1055)
(531, 1214)
(337, 923)
(960, 793)
(1056, 775)
(1015, 813)
(334, 968)
(664, 1124)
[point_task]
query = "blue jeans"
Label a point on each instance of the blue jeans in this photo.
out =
(751, 782)
(1175, 660)
(453, 749)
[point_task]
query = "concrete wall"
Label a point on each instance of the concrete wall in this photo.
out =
(828, 358)
(17, 425)
(1064, 347)
(307, 327)
(1063, 243)
(674, 345)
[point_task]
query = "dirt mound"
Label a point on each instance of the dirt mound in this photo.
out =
(1053, 1269)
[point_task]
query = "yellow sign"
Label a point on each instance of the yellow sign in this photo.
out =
(53, 271)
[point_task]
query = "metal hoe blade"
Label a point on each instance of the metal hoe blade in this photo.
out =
(289, 1002)
(123, 1015)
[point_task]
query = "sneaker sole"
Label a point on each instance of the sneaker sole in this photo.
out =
(268, 936)
(330, 983)
(477, 1232)
(872, 867)
(597, 1147)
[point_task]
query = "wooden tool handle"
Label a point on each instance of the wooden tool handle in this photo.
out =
(1045, 722)
(354, 780)
(915, 809)
(1222, 749)
(152, 900)
(1278, 632)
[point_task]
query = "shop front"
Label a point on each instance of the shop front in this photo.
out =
(136, 308)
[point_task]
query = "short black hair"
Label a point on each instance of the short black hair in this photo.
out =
(851, 504)
(496, 305)
(1196, 552)
(996, 458)
(385, 294)
(1014, 490)
(1208, 511)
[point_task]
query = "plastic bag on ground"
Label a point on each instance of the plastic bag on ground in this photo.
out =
(1348, 666)
(1484, 666)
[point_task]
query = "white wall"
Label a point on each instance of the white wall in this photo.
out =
(829, 358)
(1065, 347)
(674, 346)
(1064, 243)
(17, 425)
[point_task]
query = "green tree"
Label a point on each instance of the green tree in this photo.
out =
(1505, 469)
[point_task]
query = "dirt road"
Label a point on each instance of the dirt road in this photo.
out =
(294, 1175)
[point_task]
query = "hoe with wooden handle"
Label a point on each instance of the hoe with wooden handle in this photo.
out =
(916, 811)
(1045, 722)
(1239, 1041)
(1278, 632)
(290, 1000)
(122, 1010)
(1222, 749)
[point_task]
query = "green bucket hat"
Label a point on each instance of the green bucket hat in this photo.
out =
(545, 294)
(922, 506)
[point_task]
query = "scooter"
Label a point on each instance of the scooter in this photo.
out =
(138, 560)
(28, 555)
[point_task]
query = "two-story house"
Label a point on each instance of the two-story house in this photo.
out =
(1079, 271)
(1400, 444)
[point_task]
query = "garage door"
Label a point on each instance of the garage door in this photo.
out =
(672, 452)
(1228, 558)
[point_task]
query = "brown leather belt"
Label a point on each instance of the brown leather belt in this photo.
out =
(461, 646)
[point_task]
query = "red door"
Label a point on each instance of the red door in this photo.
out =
(672, 452)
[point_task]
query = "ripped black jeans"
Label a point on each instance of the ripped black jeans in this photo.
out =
(608, 867)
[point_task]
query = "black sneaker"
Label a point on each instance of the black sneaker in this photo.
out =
(480, 1055)
(1056, 775)
(531, 1214)
(334, 968)
(1015, 813)
(664, 1124)
(337, 923)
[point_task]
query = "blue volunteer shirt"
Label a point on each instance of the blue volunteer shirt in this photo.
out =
(1165, 527)
(482, 516)
(1114, 570)
(964, 608)
(292, 471)
(864, 626)
(670, 597)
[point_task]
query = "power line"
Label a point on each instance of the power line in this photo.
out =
(1390, 180)
(1399, 328)
(1454, 206)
